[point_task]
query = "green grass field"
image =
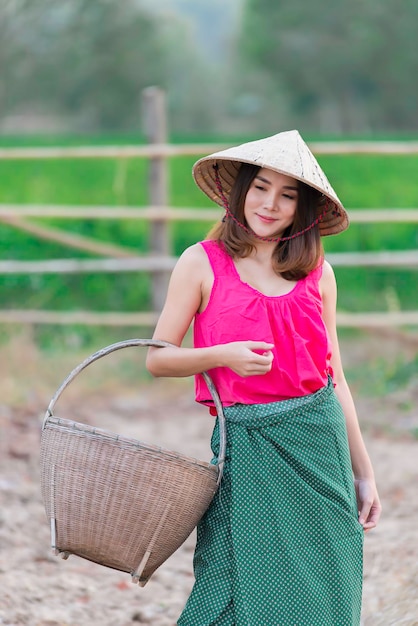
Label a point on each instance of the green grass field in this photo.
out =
(360, 181)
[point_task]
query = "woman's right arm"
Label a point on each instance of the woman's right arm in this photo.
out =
(190, 285)
(184, 298)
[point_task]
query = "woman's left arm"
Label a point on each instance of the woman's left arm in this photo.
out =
(367, 497)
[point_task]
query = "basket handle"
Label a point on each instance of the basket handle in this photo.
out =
(156, 344)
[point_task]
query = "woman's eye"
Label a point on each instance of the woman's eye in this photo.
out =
(286, 195)
(260, 187)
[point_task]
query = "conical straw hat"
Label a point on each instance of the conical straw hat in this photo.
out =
(286, 153)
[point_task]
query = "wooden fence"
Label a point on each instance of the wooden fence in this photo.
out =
(160, 261)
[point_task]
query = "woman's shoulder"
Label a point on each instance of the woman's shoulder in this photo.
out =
(327, 271)
(327, 281)
(199, 249)
(193, 259)
(208, 250)
(193, 252)
(322, 269)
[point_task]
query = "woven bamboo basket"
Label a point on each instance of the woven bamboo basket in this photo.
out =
(117, 501)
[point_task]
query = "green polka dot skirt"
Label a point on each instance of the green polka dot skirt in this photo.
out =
(281, 544)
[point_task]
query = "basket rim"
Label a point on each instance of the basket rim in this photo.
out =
(53, 422)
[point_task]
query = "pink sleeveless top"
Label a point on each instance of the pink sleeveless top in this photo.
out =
(292, 322)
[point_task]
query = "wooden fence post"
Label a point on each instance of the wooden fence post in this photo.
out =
(155, 128)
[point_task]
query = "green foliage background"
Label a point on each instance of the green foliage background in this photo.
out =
(360, 181)
(330, 65)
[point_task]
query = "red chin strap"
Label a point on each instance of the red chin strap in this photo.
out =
(230, 215)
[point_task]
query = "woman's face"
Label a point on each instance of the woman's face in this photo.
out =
(271, 202)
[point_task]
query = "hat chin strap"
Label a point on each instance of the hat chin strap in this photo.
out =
(231, 216)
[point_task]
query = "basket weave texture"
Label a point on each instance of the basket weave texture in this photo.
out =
(117, 501)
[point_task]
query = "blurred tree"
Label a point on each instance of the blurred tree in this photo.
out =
(13, 57)
(341, 66)
(90, 59)
(102, 54)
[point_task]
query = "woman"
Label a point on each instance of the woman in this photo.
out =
(281, 543)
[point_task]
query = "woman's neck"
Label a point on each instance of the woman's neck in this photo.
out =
(263, 251)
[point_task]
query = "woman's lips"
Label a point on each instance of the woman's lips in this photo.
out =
(266, 219)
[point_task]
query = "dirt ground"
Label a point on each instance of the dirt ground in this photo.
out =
(40, 589)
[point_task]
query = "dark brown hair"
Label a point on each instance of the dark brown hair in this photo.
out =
(292, 259)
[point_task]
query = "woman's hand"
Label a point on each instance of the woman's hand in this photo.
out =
(247, 358)
(368, 503)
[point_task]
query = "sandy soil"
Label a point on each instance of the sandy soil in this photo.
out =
(39, 589)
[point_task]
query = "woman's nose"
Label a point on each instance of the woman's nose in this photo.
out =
(270, 201)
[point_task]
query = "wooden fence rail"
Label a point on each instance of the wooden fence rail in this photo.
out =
(170, 214)
(160, 261)
(164, 150)
(406, 259)
(378, 320)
